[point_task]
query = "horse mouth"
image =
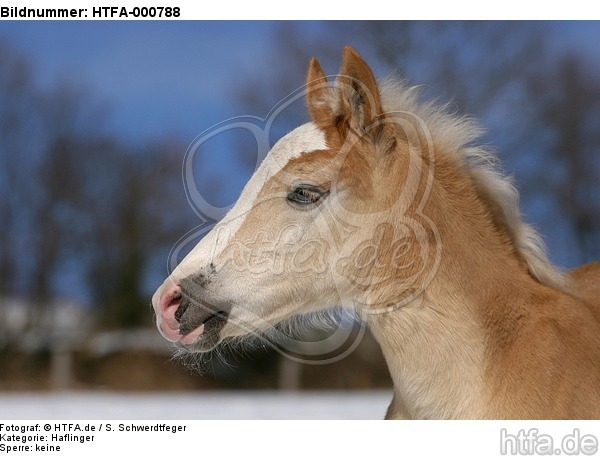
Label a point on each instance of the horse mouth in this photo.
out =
(200, 324)
(205, 336)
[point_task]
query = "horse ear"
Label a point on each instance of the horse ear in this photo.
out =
(359, 92)
(319, 94)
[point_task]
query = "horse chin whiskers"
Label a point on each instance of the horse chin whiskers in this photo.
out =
(225, 352)
(244, 341)
(200, 362)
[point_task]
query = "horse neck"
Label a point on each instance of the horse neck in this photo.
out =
(437, 347)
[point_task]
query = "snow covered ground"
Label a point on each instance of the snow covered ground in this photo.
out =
(195, 406)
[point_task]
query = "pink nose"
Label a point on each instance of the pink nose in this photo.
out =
(166, 304)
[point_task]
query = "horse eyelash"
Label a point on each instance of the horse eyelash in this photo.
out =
(312, 195)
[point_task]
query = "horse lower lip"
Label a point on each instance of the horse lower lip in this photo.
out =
(215, 315)
(208, 319)
(192, 336)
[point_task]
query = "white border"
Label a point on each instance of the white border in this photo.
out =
(349, 10)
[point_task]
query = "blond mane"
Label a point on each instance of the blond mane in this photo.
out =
(459, 135)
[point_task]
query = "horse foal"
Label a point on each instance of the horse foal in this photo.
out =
(387, 205)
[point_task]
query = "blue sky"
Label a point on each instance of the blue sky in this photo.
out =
(158, 78)
(155, 79)
(179, 78)
(162, 77)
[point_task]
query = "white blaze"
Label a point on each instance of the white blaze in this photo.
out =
(305, 138)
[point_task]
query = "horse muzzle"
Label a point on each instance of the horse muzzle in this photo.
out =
(185, 316)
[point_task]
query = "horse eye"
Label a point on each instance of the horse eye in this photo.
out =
(306, 194)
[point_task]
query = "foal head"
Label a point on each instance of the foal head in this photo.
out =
(332, 216)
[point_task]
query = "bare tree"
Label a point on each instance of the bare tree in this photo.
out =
(146, 217)
(73, 195)
(16, 95)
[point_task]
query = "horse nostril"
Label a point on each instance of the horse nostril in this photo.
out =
(181, 309)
